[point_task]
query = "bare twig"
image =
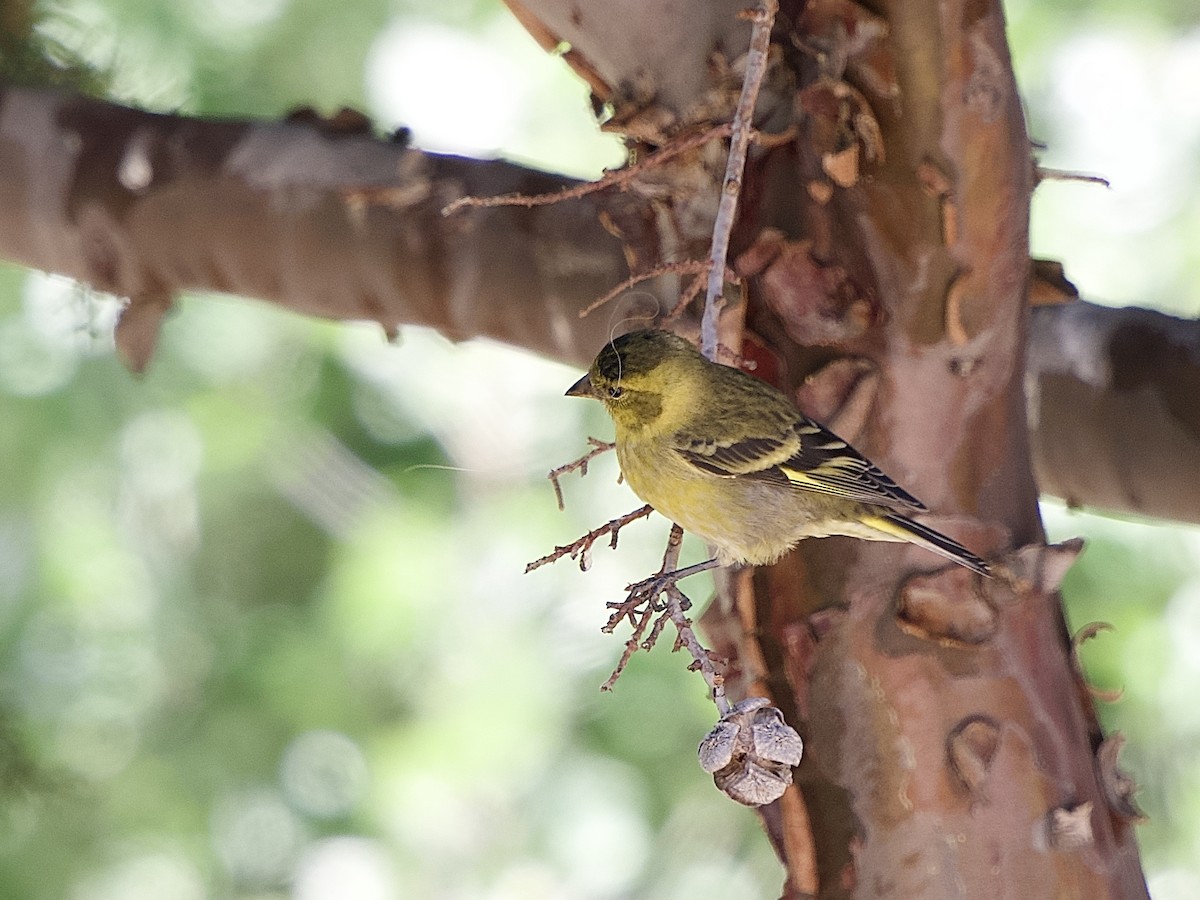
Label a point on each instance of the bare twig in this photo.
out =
(579, 549)
(756, 66)
(686, 267)
(640, 607)
(677, 605)
(687, 295)
(646, 593)
(644, 606)
(697, 267)
(581, 464)
(619, 178)
(640, 618)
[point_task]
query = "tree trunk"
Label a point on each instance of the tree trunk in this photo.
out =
(951, 750)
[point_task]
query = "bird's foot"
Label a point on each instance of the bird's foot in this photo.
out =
(655, 586)
(646, 598)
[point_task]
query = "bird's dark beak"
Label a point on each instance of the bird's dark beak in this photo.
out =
(581, 388)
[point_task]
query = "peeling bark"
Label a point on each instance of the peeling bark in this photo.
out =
(618, 60)
(146, 205)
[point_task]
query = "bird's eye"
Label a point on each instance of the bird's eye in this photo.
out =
(615, 392)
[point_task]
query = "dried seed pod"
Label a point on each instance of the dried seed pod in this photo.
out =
(716, 750)
(774, 739)
(751, 752)
(750, 784)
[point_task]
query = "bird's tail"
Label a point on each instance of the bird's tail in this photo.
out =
(905, 529)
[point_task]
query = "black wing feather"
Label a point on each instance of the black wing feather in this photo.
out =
(808, 457)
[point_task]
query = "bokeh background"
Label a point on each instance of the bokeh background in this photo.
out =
(264, 631)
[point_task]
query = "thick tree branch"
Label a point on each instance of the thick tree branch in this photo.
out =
(269, 211)
(145, 205)
(1114, 409)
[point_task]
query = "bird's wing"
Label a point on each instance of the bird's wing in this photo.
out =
(806, 456)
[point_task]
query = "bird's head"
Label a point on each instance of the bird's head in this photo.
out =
(636, 375)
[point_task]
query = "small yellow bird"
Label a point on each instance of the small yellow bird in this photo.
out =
(730, 459)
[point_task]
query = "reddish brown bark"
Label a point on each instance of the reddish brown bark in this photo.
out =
(950, 748)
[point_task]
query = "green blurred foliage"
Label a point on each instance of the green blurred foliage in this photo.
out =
(1111, 93)
(255, 635)
(256, 642)
(223, 57)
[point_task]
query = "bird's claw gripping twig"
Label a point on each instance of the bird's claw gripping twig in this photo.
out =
(650, 604)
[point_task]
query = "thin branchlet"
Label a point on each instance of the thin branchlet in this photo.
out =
(677, 605)
(639, 618)
(659, 624)
(618, 178)
(650, 604)
(687, 295)
(763, 20)
(685, 267)
(578, 549)
(697, 267)
(578, 465)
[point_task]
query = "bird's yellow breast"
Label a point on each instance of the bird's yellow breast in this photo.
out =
(746, 521)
